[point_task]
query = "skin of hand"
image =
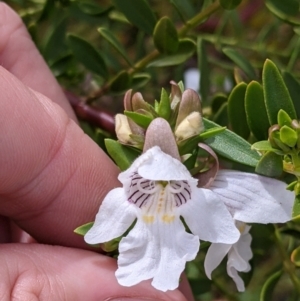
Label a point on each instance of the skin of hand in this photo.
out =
(52, 179)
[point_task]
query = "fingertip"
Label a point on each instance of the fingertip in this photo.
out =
(68, 274)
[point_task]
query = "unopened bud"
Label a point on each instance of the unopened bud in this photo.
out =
(123, 129)
(191, 125)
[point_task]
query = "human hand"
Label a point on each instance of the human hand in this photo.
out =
(52, 179)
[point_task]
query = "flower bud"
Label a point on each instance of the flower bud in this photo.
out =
(123, 130)
(191, 125)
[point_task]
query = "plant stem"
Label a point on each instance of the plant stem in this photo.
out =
(190, 24)
(287, 264)
(198, 19)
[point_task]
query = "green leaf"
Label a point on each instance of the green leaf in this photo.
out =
(140, 80)
(138, 12)
(221, 117)
(295, 257)
(293, 86)
(121, 82)
(56, 46)
(92, 8)
(266, 147)
(62, 65)
(231, 146)
(236, 111)
(88, 55)
(186, 49)
(270, 165)
(291, 232)
(269, 285)
(185, 9)
(164, 107)
(276, 94)
(203, 66)
(283, 118)
(230, 4)
(256, 112)
(296, 208)
(286, 7)
(165, 36)
(110, 38)
(240, 60)
(139, 119)
(187, 146)
(83, 229)
(288, 136)
(122, 155)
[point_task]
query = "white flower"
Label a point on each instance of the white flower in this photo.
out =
(238, 254)
(250, 198)
(157, 190)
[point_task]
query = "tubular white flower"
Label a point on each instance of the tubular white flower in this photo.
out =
(157, 190)
(238, 254)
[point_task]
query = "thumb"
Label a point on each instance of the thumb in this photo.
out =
(40, 272)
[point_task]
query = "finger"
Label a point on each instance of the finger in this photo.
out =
(40, 272)
(19, 55)
(52, 176)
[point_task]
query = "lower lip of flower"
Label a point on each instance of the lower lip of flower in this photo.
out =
(158, 200)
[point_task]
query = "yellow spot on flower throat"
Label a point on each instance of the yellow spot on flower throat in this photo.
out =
(148, 219)
(168, 218)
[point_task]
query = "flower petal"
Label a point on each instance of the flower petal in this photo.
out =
(232, 272)
(253, 198)
(214, 256)
(156, 250)
(208, 218)
(155, 165)
(115, 216)
(243, 248)
(238, 258)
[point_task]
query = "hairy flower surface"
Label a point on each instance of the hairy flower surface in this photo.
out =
(158, 190)
(238, 255)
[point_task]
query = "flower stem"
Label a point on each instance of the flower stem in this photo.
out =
(288, 266)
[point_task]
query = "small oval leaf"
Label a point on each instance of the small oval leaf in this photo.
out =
(83, 229)
(122, 155)
(230, 4)
(286, 7)
(236, 111)
(256, 112)
(138, 12)
(165, 36)
(276, 94)
(88, 55)
(139, 119)
(107, 35)
(186, 49)
(121, 82)
(270, 165)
